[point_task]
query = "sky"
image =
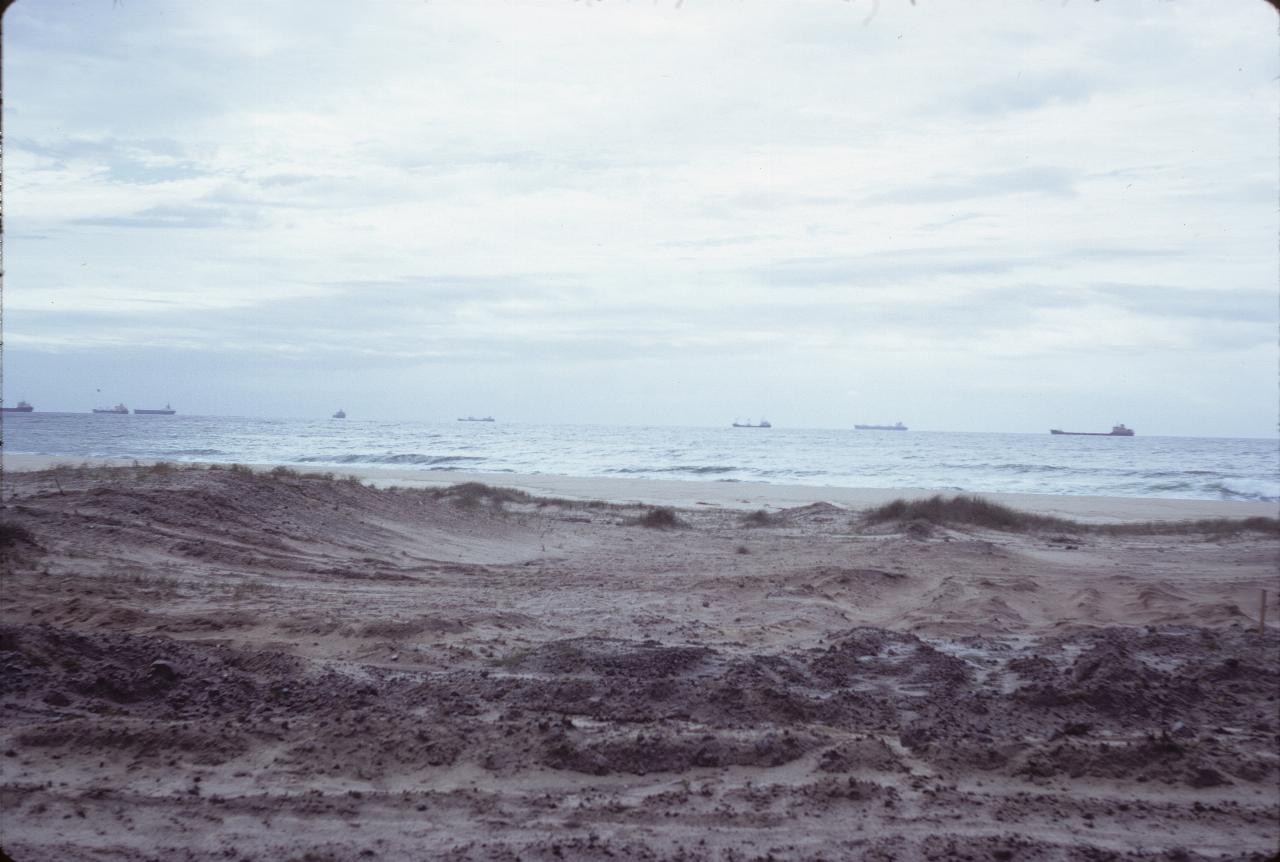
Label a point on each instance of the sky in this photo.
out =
(988, 216)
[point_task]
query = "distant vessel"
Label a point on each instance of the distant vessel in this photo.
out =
(23, 407)
(763, 423)
(167, 411)
(119, 408)
(475, 419)
(897, 426)
(341, 414)
(1116, 431)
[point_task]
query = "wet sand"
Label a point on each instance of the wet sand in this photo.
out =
(214, 664)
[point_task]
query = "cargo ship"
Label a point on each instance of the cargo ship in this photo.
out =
(22, 407)
(119, 408)
(167, 411)
(763, 423)
(475, 419)
(897, 426)
(1116, 431)
(341, 414)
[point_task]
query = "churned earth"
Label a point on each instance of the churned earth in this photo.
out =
(220, 664)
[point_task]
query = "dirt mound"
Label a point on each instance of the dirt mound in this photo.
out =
(254, 522)
(611, 658)
(147, 675)
(662, 750)
(875, 653)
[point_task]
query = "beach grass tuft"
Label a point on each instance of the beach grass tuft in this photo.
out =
(472, 495)
(11, 534)
(974, 511)
(660, 518)
(964, 509)
(760, 518)
(1211, 528)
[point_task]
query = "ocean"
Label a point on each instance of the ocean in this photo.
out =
(1141, 466)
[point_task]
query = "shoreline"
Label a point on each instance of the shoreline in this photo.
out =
(700, 494)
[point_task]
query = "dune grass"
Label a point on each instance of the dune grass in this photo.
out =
(473, 495)
(965, 509)
(659, 518)
(974, 511)
(1210, 527)
(760, 518)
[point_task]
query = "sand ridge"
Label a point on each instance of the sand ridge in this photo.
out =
(218, 664)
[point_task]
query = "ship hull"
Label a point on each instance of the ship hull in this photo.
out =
(116, 412)
(155, 412)
(878, 428)
(1091, 433)
(16, 409)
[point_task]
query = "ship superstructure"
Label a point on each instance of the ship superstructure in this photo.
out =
(1116, 431)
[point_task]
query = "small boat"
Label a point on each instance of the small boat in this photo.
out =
(167, 411)
(897, 426)
(475, 419)
(119, 408)
(1116, 431)
(22, 407)
(763, 423)
(341, 414)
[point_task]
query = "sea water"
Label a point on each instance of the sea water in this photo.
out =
(1141, 466)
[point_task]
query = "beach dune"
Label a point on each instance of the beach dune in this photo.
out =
(228, 663)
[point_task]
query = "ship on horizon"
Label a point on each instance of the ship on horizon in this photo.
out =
(21, 407)
(341, 414)
(119, 408)
(763, 423)
(475, 419)
(898, 426)
(167, 411)
(1116, 431)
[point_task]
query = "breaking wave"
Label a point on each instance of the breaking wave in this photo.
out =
(1233, 469)
(689, 470)
(405, 458)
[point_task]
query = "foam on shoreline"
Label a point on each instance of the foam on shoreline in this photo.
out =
(745, 495)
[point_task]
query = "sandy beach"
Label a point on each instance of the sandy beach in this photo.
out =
(232, 664)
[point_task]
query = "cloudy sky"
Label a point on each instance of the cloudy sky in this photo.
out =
(978, 216)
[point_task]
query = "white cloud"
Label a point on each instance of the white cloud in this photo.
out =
(616, 181)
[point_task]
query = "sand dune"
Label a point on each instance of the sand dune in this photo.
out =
(210, 664)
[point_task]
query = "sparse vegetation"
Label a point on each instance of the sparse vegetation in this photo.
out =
(13, 534)
(1211, 528)
(963, 509)
(472, 495)
(971, 510)
(660, 518)
(760, 518)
